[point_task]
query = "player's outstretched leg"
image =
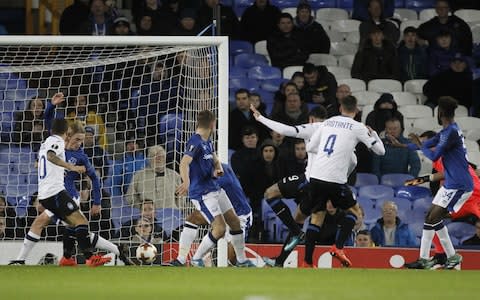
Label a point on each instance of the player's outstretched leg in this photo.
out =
(68, 240)
(345, 231)
(187, 236)
(209, 240)
(311, 237)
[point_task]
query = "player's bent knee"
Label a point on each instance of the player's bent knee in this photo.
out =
(196, 218)
(317, 218)
(39, 223)
(76, 218)
(272, 192)
(355, 210)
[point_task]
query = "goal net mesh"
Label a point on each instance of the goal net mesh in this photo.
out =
(134, 101)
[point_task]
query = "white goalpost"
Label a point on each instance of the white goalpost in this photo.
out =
(133, 94)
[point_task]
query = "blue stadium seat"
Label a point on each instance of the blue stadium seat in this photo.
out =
(231, 96)
(371, 215)
(240, 6)
(399, 3)
(365, 202)
(227, 2)
(248, 60)
(6, 121)
(170, 219)
(395, 180)
(264, 72)
(244, 83)
(236, 47)
(345, 4)
(422, 204)
(284, 3)
(416, 228)
(267, 97)
(8, 105)
(460, 230)
(354, 190)
(413, 192)
(366, 179)
(237, 72)
(376, 191)
(316, 4)
(419, 4)
(272, 85)
(169, 123)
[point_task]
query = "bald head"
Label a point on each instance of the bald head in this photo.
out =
(343, 91)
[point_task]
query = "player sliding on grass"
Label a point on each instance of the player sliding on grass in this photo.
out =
(230, 184)
(449, 145)
(74, 155)
(334, 142)
(199, 169)
(470, 208)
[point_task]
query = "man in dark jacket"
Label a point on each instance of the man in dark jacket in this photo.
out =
(320, 85)
(187, 25)
(384, 109)
(286, 45)
(259, 21)
(315, 38)
(229, 24)
(360, 9)
(377, 59)
(73, 16)
(413, 57)
(376, 19)
(461, 33)
(292, 113)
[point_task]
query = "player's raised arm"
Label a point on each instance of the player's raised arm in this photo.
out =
(54, 159)
(370, 138)
(218, 166)
(182, 189)
(281, 128)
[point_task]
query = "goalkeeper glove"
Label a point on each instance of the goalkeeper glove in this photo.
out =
(419, 180)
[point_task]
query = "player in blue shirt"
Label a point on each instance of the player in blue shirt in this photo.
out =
(74, 155)
(449, 145)
(199, 170)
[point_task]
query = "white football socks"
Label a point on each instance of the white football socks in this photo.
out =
(187, 236)
(103, 244)
(426, 242)
(444, 238)
(28, 243)
(207, 243)
(238, 243)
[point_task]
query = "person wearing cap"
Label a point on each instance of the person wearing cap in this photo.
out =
(441, 53)
(413, 57)
(360, 9)
(229, 24)
(100, 19)
(315, 38)
(456, 81)
(259, 21)
(162, 18)
(376, 59)
(384, 109)
(121, 26)
(376, 19)
(459, 29)
(187, 25)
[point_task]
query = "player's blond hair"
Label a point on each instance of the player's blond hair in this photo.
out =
(76, 127)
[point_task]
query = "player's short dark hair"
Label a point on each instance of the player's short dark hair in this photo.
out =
(349, 104)
(59, 126)
(447, 106)
(205, 118)
(242, 91)
(318, 112)
(309, 68)
(428, 134)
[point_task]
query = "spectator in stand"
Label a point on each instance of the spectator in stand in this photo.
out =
(376, 19)
(294, 164)
(286, 45)
(154, 182)
(293, 114)
(299, 79)
(315, 38)
(364, 239)
(239, 118)
(413, 57)
(441, 53)
(361, 12)
(229, 23)
(256, 100)
(281, 95)
(459, 29)
(376, 59)
(100, 19)
(475, 239)
(29, 129)
(130, 161)
(333, 109)
(148, 212)
(187, 26)
(145, 25)
(456, 82)
(3, 227)
(163, 19)
(320, 85)
(282, 143)
(143, 233)
(121, 26)
(397, 158)
(80, 111)
(465, 4)
(390, 230)
(72, 16)
(259, 21)
(96, 154)
(384, 109)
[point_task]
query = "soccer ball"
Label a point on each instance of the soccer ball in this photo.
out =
(146, 253)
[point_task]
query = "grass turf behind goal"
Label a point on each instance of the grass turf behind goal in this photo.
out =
(49, 282)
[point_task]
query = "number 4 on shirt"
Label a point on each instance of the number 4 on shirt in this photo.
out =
(328, 148)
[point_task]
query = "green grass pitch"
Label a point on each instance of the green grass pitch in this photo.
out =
(113, 283)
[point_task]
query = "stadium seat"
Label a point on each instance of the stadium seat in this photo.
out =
(364, 179)
(395, 179)
(476, 33)
(414, 86)
(343, 48)
(331, 14)
(376, 191)
(321, 59)
(291, 10)
(284, 3)
(289, 71)
(416, 227)
(266, 96)
(411, 112)
(371, 214)
(423, 124)
(346, 61)
(405, 14)
(472, 134)
(264, 72)
(316, 4)
(8, 105)
(237, 72)
(272, 85)
(472, 146)
(427, 14)
(422, 204)
(261, 47)
(413, 192)
(248, 60)
(419, 4)
(468, 123)
(354, 190)
(353, 37)
(365, 202)
(469, 15)
(474, 157)
(244, 83)
(460, 230)
(6, 121)
(384, 85)
(412, 23)
(356, 85)
(366, 97)
(236, 47)
(339, 72)
(333, 35)
(170, 123)
(345, 26)
(404, 98)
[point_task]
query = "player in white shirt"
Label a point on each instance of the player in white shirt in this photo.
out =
(334, 142)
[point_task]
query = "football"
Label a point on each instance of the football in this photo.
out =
(146, 253)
